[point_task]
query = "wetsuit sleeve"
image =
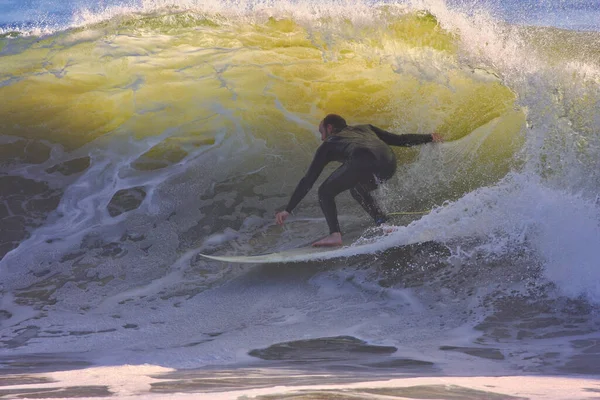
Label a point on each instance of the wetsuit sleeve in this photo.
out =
(306, 183)
(411, 139)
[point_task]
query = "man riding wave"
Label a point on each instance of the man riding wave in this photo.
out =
(367, 161)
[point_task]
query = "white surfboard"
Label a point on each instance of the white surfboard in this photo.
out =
(300, 254)
(369, 246)
(285, 256)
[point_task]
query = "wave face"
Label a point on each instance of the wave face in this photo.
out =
(137, 135)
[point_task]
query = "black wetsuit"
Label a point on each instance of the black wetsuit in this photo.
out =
(367, 161)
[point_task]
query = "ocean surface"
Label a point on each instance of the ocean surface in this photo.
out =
(135, 135)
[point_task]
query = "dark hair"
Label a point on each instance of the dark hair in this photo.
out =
(336, 121)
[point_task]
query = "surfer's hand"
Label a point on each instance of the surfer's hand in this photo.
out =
(281, 216)
(436, 138)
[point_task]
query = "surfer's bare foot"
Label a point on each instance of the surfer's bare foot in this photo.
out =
(335, 239)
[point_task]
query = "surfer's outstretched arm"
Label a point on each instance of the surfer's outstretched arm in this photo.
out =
(406, 140)
(306, 183)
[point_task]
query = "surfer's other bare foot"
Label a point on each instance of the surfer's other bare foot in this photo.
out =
(335, 239)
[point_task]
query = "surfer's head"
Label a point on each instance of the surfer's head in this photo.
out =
(331, 125)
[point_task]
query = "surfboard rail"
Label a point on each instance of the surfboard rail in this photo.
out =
(286, 256)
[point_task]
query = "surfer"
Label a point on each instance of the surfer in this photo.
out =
(367, 161)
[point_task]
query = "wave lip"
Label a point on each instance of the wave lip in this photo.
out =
(42, 17)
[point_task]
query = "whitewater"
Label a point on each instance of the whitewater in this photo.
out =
(135, 135)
